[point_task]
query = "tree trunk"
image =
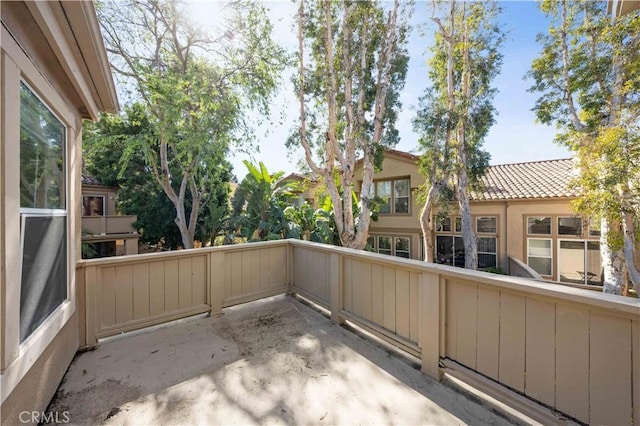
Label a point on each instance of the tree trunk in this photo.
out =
(630, 250)
(468, 236)
(426, 224)
(612, 264)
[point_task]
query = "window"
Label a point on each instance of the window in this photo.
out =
(539, 225)
(402, 247)
(443, 224)
(570, 226)
(384, 245)
(43, 212)
(450, 250)
(401, 196)
(392, 246)
(539, 255)
(458, 224)
(487, 252)
(486, 224)
(93, 205)
(394, 195)
(579, 262)
(594, 228)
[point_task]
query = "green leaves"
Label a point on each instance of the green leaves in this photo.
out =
(194, 87)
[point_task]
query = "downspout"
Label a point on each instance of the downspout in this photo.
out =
(506, 236)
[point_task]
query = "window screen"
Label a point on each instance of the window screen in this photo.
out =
(44, 269)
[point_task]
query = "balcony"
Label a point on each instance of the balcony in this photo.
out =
(108, 225)
(548, 352)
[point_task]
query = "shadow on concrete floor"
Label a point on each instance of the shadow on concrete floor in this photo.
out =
(273, 361)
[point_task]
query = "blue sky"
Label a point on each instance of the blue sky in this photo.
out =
(514, 138)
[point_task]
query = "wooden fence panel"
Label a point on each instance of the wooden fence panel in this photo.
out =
(609, 378)
(488, 333)
(540, 351)
(512, 340)
(572, 361)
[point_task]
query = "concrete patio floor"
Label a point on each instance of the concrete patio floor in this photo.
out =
(274, 361)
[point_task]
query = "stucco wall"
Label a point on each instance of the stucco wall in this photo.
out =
(39, 48)
(38, 386)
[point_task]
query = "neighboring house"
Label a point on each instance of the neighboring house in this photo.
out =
(54, 73)
(308, 185)
(522, 218)
(107, 233)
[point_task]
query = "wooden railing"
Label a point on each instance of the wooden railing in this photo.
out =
(104, 225)
(127, 293)
(535, 344)
(572, 350)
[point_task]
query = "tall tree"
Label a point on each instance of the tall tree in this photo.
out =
(588, 80)
(457, 110)
(352, 66)
(104, 146)
(196, 87)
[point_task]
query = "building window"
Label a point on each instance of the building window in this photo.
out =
(93, 205)
(486, 225)
(450, 250)
(384, 245)
(594, 228)
(443, 224)
(539, 225)
(571, 226)
(487, 252)
(540, 255)
(458, 224)
(43, 212)
(402, 247)
(579, 262)
(392, 246)
(401, 196)
(394, 195)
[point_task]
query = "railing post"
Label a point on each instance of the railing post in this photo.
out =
(337, 286)
(288, 267)
(215, 282)
(429, 323)
(88, 313)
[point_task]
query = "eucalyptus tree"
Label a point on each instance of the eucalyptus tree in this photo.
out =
(352, 64)
(457, 110)
(196, 86)
(588, 78)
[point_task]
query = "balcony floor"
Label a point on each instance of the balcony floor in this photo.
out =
(273, 361)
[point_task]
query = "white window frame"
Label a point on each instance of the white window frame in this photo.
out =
(394, 238)
(541, 257)
(495, 253)
(18, 358)
(373, 192)
(585, 242)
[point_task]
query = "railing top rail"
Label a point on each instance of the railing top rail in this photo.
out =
(137, 258)
(517, 284)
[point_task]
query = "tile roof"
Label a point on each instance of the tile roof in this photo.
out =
(89, 180)
(537, 179)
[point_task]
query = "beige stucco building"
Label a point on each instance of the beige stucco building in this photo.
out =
(522, 217)
(54, 73)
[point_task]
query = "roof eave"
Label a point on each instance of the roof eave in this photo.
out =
(73, 32)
